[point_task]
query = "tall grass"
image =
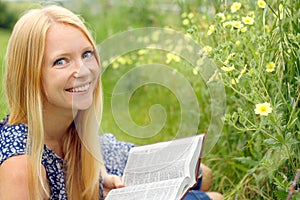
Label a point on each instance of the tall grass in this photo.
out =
(256, 46)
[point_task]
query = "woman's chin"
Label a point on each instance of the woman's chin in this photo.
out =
(82, 105)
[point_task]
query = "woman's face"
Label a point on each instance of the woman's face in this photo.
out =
(70, 72)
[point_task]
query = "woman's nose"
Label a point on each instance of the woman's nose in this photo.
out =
(81, 69)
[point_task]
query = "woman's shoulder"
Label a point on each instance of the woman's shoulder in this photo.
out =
(13, 174)
(12, 140)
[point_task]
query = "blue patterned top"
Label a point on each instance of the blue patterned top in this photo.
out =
(13, 142)
(114, 153)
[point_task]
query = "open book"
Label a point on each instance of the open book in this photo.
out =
(165, 170)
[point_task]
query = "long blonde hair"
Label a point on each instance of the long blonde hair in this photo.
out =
(24, 60)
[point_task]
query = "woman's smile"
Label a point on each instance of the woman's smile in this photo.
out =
(79, 89)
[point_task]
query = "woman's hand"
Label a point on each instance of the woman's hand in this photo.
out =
(112, 182)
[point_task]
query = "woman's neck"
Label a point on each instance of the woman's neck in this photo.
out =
(56, 126)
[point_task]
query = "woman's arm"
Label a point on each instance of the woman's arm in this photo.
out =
(13, 179)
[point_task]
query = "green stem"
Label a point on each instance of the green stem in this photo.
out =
(289, 155)
(242, 129)
(271, 136)
(238, 188)
(294, 108)
(269, 6)
(239, 93)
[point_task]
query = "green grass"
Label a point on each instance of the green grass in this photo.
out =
(144, 97)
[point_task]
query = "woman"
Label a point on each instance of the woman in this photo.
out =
(49, 144)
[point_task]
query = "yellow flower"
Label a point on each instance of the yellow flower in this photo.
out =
(220, 16)
(244, 29)
(280, 7)
(115, 65)
(248, 20)
(207, 49)
(171, 56)
(176, 58)
(244, 70)
(270, 67)
(238, 43)
(234, 81)
(121, 60)
(281, 11)
(230, 56)
(263, 109)
(261, 3)
(225, 24)
(186, 22)
(129, 61)
(200, 62)
(196, 70)
(235, 7)
(184, 15)
(267, 28)
(237, 24)
(211, 29)
(227, 69)
(190, 15)
(142, 52)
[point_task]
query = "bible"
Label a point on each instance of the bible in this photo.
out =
(165, 170)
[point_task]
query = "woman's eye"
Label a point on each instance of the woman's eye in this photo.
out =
(87, 54)
(59, 62)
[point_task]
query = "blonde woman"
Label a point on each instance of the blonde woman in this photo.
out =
(49, 145)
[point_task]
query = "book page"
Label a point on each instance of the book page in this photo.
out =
(169, 189)
(161, 161)
(195, 160)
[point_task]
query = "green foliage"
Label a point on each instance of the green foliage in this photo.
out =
(7, 19)
(148, 95)
(4, 35)
(257, 50)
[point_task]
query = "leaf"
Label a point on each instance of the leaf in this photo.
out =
(271, 141)
(246, 161)
(239, 166)
(280, 138)
(280, 194)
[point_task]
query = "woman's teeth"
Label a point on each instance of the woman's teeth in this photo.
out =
(80, 89)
